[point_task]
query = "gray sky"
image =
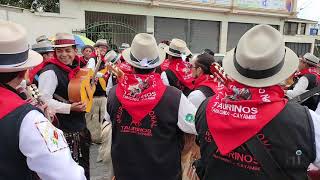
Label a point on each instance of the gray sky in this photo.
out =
(311, 9)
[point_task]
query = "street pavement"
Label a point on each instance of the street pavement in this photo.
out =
(98, 171)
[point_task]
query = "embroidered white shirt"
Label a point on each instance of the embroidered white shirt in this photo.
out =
(47, 154)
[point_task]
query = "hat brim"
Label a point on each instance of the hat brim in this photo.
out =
(63, 45)
(101, 44)
(127, 58)
(310, 62)
(34, 59)
(291, 63)
(166, 49)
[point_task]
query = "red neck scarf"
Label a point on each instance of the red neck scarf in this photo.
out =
(208, 81)
(126, 67)
(165, 65)
(232, 120)
(9, 101)
(139, 94)
(72, 71)
(182, 71)
(311, 70)
(33, 72)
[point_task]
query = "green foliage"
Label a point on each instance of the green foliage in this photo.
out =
(42, 5)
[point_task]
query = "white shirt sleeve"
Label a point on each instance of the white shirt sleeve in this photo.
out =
(196, 97)
(91, 63)
(48, 83)
(165, 79)
(299, 88)
(51, 161)
(316, 123)
(186, 116)
(109, 85)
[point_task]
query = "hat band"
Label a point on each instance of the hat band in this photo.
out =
(309, 61)
(149, 62)
(257, 74)
(44, 49)
(174, 51)
(14, 59)
(64, 41)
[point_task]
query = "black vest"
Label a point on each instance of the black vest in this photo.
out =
(206, 91)
(289, 136)
(151, 150)
(75, 121)
(174, 81)
(13, 164)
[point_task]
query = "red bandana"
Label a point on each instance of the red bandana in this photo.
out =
(8, 106)
(33, 72)
(303, 72)
(125, 67)
(72, 72)
(139, 94)
(209, 81)
(182, 71)
(165, 65)
(232, 120)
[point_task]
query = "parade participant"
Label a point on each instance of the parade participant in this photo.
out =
(53, 85)
(86, 51)
(29, 141)
(145, 140)
(113, 58)
(244, 128)
(43, 47)
(178, 73)
(306, 79)
(204, 83)
(165, 65)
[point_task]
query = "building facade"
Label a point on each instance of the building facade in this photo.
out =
(214, 24)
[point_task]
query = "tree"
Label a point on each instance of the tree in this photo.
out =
(37, 5)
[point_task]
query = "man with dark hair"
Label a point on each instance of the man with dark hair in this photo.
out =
(178, 73)
(53, 85)
(204, 85)
(86, 51)
(306, 79)
(145, 140)
(29, 142)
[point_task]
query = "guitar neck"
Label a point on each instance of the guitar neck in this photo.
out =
(96, 69)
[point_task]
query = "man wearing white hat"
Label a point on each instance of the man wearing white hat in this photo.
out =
(178, 73)
(53, 85)
(29, 141)
(249, 130)
(145, 140)
(306, 79)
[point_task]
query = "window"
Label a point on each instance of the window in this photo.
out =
(303, 28)
(290, 28)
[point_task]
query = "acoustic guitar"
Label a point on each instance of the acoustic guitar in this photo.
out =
(114, 70)
(82, 86)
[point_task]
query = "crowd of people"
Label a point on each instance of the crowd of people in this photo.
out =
(161, 112)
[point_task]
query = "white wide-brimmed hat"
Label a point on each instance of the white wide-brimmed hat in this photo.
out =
(64, 40)
(42, 38)
(101, 42)
(144, 52)
(43, 47)
(112, 56)
(15, 55)
(260, 58)
(124, 46)
(162, 46)
(177, 48)
(311, 59)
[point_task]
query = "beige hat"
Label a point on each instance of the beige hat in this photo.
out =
(162, 46)
(144, 52)
(42, 38)
(101, 42)
(260, 58)
(43, 47)
(177, 48)
(124, 46)
(311, 59)
(64, 40)
(112, 56)
(15, 55)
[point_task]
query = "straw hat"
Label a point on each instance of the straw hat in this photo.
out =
(177, 48)
(144, 52)
(162, 46)
(15, 55)
(261, 58)
(112, 56)
(101, 42)
(124, 46)
(64, 40)
(42, 38)
(311, 59)
(43, 47)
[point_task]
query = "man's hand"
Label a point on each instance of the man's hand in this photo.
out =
(78, 106)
